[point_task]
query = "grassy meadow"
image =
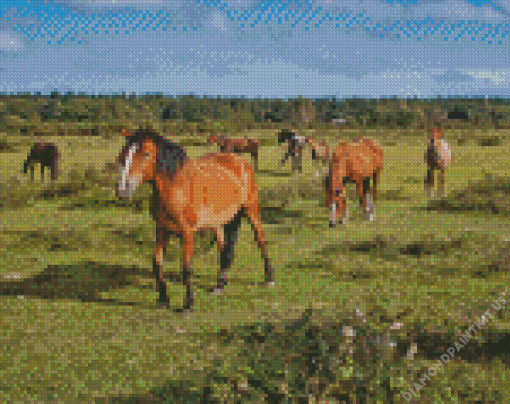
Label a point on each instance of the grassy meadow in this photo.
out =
(359, 313)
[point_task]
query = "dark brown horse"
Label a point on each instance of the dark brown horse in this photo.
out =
(237, 146)
(357, 162)
(296, 145)
(210, 193)
(438, 156)
(45, 154)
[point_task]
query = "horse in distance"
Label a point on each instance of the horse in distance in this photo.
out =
(295, 148)
(353, 162)
(47, 155)
(250, 146)
(438, 156)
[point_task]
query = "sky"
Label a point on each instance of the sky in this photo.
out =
(257, 49)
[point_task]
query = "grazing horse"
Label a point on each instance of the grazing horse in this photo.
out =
(210, 193)
(47, 155)
(438, 156)
(296, 145)
(353, 162)
(320, 152)
(237, 146)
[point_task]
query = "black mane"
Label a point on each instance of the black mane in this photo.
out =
(170, 157)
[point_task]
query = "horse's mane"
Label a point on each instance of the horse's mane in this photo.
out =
(170, 155)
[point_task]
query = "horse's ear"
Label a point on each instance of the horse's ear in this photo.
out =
(126, 133)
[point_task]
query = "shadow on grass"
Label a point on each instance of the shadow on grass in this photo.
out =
(82, 281)
(489, 195)
(480, 256)
(393, 195)
(135, 204)
(278, 215)
(275, 173)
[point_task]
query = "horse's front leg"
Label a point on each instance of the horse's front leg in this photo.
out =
(161, 240)
(285, 158)
(42, 172)
(442, 182)
(430, 182)
(256, 160)
(32, 170)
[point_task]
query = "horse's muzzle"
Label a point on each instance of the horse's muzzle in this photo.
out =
(123, 193)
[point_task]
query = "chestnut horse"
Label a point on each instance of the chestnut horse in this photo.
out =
(353, 162)
(320, 152)
(438, 156)
(210, 193)
(237, 146)
(296, 145)
(45, 154)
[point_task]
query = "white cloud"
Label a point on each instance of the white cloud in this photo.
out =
(497, 77)
(217, 20)
(9, 42)
(467, 10)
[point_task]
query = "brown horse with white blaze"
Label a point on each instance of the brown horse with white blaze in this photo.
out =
(210, 193)
(353, 162)
(438, 156)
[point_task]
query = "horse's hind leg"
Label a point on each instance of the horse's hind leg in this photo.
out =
(252, 211)
(32, 170)
(375, 179)
(429, 183)
(442, 182)
(54, 171)
(42, 172)
(227, 249)
(255, 161)
(365, 201)
(157, 264)
(285, 158)
(187, 253)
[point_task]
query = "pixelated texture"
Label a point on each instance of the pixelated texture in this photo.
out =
(173, 255)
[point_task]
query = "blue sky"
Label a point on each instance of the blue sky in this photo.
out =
(263, 48)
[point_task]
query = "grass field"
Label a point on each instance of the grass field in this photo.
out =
(359, 313)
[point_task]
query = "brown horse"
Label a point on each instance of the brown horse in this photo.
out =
(320, 152)
(210, 193)
(237, 146)
(438, 156)
(353, 162)
(47, 155)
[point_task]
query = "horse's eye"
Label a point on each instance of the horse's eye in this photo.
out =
(146, 155)
(337, 192)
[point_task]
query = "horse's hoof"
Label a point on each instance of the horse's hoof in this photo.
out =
(163, 306)
(270, 284)
(217, 290)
